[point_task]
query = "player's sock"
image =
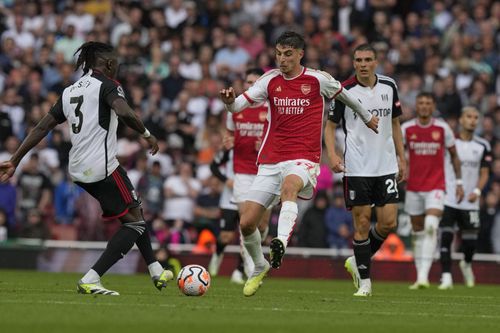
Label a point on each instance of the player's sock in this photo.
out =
(118, 246)
(445, 258)
(143, 242)
(91, 277)
(469, 246)
(219, 247)
(418, 239)
(362, 253)
(248, 265)
(254, 248)
(155, 269)
(376, 240)
(428, 245)
(264, 233)
(239, 267)
(286, 221)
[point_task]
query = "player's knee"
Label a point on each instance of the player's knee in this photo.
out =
(289, 191)
(388, 227)
(247, 226)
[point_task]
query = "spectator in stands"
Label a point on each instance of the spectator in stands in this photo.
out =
(206, 210)
(338, 222)
(3, 226)
(35, 227)
(312, 231)
(150, 188)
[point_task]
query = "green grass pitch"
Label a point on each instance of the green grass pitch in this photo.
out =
(48, 302)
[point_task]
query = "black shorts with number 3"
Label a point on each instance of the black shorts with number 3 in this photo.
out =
(115, 193)
(465, 219)
(378, 191)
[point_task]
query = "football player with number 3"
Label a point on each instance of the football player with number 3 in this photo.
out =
(92, 106)
(427, 139)
(475, 155)
(373, 164)
(291, 149)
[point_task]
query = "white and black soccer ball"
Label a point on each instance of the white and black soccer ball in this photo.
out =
(193, 280)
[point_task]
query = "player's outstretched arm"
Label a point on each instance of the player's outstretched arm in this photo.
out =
(231, 102)
(36, 135)
(129, 117)
(370, 120)
(397, 137)
(335, 160)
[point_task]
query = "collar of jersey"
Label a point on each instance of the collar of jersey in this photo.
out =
(293, 78)
(362, 85)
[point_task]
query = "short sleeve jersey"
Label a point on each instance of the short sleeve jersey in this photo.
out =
(474, 155)
(248, 126)
(86, 105)
(426, 147)
(296, 108)
(366, 153)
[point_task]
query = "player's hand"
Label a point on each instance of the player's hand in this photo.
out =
(7, 170)
(373, 124)
(337, 164)
(459, 193)
(472, 197)
(402, 171)
(227, 95)
(153, 143)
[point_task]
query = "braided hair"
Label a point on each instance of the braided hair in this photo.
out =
(89, 52)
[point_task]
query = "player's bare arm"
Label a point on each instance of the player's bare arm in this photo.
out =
(371, 121)
(484, 174)
(41, 130)
(455, 161)
(336, 162)
(128, 116)
(397, 136)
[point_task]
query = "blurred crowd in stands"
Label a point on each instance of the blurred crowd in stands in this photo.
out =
(176, 55)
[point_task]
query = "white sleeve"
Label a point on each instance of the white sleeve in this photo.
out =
(348, 99)
(230, 122)
(449, 137)
(329, 87)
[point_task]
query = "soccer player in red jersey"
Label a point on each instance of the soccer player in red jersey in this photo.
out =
(291, 149)
(427, 139)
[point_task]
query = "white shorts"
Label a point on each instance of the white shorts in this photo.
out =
(241, 186)
(266, 188)
(416, 203)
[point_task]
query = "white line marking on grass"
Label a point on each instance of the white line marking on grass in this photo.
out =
(302, 310)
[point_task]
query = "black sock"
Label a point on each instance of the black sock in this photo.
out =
(468, 247)
(143, 242)
(362, 253)
(446, 240)
(240, 264)
(376, 240)
(118, 246)
(220, 247)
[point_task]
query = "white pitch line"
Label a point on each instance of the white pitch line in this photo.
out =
(201, 307)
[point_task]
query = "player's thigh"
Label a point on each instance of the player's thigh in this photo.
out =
(415, 203)
(448, 219)
(357, 191)
(252, 213)
(117, 196)
(307, 171)
(229, 220)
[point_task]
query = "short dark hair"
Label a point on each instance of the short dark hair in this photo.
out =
(255, 71)
(426, 94)
(89, 52)
(365, 47)
(292, 39)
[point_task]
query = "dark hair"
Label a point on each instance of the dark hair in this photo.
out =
(427, 95)
(365, 47)
(292, 39)
(89, 52)
(256, 71)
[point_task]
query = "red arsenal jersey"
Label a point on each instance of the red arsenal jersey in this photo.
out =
(296, 107)
(248, 126)
(426, 146)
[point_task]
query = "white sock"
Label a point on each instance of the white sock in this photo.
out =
(248, 265)
(418, 239)
(155, 269)
(428, 245)
(91, 277)
(254, 248)
(286, 220)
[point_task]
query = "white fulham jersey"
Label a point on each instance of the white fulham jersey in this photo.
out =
(474, 155)
(86, 105)
(366, 153)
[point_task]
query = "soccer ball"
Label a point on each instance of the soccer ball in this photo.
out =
(193, 280)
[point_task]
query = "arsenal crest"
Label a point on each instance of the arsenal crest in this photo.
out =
(436, 135)
(305, 88)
